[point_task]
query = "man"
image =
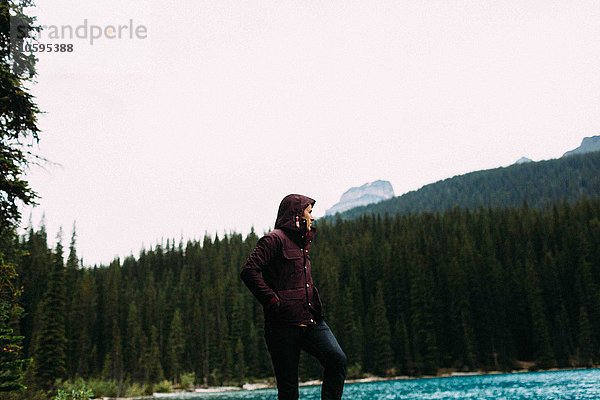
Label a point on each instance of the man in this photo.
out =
(278, 273)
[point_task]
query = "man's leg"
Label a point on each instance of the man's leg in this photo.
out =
(320, 342)
(283, 343)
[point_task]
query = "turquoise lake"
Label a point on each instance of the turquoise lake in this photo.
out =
(573, 384)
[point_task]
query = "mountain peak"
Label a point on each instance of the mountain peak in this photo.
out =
(369, 193)
(523, 160)
(588, 145)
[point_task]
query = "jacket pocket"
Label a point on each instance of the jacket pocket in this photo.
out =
(291, 304)
(292, 254)
(292, 273)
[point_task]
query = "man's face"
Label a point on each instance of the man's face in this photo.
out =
(308, 217)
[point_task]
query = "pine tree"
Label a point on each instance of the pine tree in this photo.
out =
(83, 314)
(34, 271)
(19, 130)
(382, 350)
(176, 347)
(109, 309)
(113, 363)
(544, 355)
(18, 133)
(134, 345)
(49, 353)
(424, 341)
(72, 320)
(402, 347)
(12, 363)
(460, 319)
(350, 332)
(559, 330)
(153, 367)
(197, 340)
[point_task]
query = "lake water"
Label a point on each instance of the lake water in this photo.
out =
(574, 385)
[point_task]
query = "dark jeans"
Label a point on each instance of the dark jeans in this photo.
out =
(285, 342)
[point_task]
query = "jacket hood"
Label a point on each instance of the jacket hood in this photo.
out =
(292, 206)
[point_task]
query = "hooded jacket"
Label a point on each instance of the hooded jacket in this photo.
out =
(278, 271)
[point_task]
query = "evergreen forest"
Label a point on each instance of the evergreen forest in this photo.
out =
(538, 183)
(414, 294)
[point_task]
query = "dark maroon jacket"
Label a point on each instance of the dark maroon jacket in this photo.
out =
(278, 271)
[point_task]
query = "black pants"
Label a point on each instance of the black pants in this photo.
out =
(285, 342)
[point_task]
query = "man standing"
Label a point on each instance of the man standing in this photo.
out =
(278, 273)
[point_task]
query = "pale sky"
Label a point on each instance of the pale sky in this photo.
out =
(227, 106)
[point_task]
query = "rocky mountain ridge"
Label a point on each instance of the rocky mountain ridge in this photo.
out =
(369, 193)
(588, 145)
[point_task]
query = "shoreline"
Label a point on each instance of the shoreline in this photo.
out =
(316, 382)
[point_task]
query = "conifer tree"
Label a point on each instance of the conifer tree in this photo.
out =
(424, 340)
(544, 355)
(382, 350)
(49, 353)
(351, 331)
(18, 133)
(559, 324)
(113, 363)
(134, 345)
(72, 320)
(34, 271)
(402, 347)
(460, 319)
(153, 368)
(108, 310)
(197, 341)
(83, 314)
(19, 130)
(12, 363)
(176, 347)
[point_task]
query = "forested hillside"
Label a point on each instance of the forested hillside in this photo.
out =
(535, 183)
(411, 294)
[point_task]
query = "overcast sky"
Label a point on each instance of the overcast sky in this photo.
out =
(224, 107)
